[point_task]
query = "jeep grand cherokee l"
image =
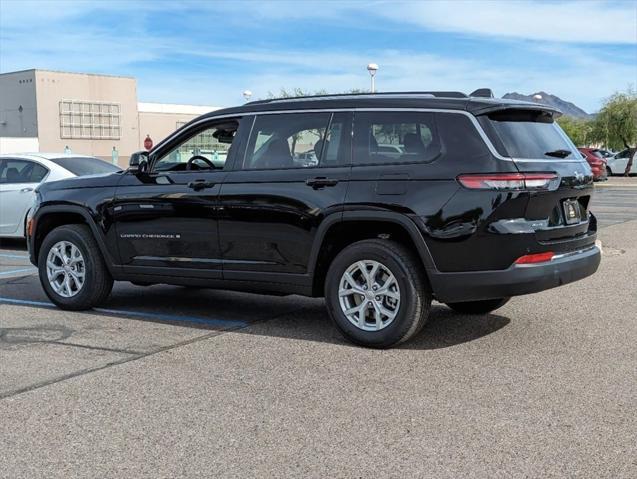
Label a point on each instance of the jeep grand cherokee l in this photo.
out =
(482, 199)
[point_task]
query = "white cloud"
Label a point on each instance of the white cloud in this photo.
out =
(566, 21)
(571, 21)
(585, 79)
(55, 36)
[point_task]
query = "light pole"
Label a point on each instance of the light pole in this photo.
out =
(372, 68)
(247, 94)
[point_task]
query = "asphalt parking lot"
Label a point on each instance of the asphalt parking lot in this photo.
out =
(172, 382)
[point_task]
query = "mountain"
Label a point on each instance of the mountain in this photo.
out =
(566, 107)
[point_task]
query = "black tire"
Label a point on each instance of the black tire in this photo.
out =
(478, 307)
(415, 292)
(609, 172)
(98, 282)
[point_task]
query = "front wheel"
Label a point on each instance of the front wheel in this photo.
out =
(72, 270)
(377, 294)
(478, 307)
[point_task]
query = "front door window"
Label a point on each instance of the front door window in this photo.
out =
(206, 150)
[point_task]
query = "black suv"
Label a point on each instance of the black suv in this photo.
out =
(380, 203)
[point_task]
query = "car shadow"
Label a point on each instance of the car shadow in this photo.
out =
(289, 317)
(299, 318)
(444, 328)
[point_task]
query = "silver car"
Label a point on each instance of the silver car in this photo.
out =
(21, 173)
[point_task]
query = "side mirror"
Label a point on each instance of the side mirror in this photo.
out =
(138, 162)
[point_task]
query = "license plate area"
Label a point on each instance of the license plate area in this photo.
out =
(572, 211)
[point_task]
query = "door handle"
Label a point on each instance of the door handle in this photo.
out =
(200, 185)
(25, 190)
(320, 182)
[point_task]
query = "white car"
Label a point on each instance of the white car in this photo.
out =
(21, 173)
(617, 164)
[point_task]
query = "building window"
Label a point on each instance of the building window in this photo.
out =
(89, 120)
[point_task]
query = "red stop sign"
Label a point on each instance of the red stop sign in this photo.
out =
(148, 143)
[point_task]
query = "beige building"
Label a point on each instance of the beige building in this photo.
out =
(48, 111)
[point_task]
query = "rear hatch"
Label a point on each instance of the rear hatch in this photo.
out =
(534, 142)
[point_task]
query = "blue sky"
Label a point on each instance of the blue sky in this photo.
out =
(208, 53)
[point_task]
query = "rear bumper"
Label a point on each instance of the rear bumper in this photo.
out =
(517, 279)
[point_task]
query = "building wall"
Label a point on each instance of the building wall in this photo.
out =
(160, 119)
(45, 95)
(18, 118)
(159, 125)
(54, 87)
(13, 144)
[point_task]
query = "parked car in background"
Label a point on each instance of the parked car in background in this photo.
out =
(617, 164)
(596, 161)
(606, 153)
(20, 174)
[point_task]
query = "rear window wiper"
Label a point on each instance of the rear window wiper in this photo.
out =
(559, 153)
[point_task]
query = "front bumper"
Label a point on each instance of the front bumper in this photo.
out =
(515, 280)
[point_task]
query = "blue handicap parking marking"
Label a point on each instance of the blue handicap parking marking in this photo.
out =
(16, 271)
(16, 256)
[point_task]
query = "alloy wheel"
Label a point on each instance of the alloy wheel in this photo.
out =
(65, 269)
(369, 295)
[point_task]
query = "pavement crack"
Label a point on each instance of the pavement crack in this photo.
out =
(83, 372)
(96, 348)
(135, 356)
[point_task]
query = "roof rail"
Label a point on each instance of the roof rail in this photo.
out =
(437, 94)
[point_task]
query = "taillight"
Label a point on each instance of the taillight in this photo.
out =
(535, 258)
(508, 181)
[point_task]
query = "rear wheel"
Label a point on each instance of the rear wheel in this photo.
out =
(609, 172)
(478, 307)
(377, 294)
(72, 270)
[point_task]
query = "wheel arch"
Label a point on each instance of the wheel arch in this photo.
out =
(359, 225)
(47, 218)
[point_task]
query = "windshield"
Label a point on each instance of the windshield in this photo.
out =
(528, 134)
(85, 166)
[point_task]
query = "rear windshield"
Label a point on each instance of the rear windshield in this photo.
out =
(85, 166)
(528, 134)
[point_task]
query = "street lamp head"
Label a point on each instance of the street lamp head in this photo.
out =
(537, 96)
(247, 94)
(372, 68)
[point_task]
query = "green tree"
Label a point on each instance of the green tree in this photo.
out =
(578, 130)
(296, 92)
(616, 123)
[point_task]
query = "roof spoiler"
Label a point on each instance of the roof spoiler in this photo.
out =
(518, 106)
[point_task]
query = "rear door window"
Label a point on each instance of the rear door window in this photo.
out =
(291, 140)
(528, 134)
(395, 137)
